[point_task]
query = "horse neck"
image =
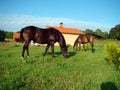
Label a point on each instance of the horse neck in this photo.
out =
(62, 41)
(76, 41)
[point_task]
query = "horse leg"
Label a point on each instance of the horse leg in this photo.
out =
(25, 47)
(27, 50)
(52, 48)
(79, 46)
(92, 45)
(76, 46)
(47, 47)
(84, 47)
(23, 50)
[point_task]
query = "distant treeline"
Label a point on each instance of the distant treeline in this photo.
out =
(5, 34)
(114, 33)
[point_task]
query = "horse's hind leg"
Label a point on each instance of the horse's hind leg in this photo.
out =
(47, 47)
(25, 47)
(92, 47)
(27, 50)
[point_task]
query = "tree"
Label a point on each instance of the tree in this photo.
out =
(98, 32)
(115, 32)
(2, 35)
(105, 35)
(102, 34)
(9, 34)
(89, 31)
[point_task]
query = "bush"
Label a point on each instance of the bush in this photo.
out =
(2, 35)
(87, 46)
(113, 52)
(9, 35)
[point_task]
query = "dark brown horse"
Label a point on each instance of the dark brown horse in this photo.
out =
(47, 36)
(83, 39)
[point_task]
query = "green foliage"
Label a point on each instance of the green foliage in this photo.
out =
(89, 31)
(98, 32)
(9, 35)
(102, 34)
(87, 46)
(2, 35)
(113, 52)
(115, 32)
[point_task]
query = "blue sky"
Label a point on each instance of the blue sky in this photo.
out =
(80, 14)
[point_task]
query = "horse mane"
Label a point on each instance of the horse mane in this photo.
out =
(62, 40)
(95, 35)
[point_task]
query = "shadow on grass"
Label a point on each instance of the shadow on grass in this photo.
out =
(70, 54)
(86, 50)
(108, 86)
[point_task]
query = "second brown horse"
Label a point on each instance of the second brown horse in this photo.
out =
(83, 39)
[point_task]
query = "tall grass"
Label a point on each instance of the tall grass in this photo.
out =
(80, 71)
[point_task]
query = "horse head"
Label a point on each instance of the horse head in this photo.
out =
(63, 45)
(64, 51)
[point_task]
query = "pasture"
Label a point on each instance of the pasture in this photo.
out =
(80, 71)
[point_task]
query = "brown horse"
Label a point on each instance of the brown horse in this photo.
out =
(47, 36)
(83, 39)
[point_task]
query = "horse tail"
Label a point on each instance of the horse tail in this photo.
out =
(21, 34)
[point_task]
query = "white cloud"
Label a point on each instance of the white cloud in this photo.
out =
(16, 22)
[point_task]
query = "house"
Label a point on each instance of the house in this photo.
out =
(16, 37)
(70, 34)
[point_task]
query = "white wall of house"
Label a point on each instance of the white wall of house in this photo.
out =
(69, 38)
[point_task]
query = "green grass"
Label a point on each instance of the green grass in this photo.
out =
(80, 71)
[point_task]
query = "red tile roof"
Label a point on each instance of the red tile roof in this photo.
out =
(16, 35)
(67, 30)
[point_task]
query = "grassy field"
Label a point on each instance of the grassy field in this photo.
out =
(80, 71)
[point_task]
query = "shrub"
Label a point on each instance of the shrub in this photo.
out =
(113, 52)
(2, 35)
(9, 35)
(87, 46)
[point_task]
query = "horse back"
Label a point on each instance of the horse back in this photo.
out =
(90, 37)
(45, 36)
(82, 38)
(40, 35)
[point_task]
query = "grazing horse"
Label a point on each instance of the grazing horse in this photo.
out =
(83, 39)
(47, 36)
